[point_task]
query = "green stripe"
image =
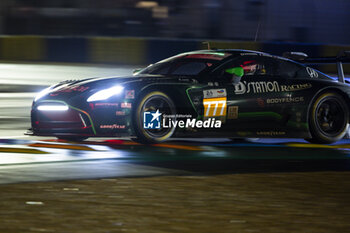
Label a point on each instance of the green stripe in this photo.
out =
(92, 124)
(188, 95)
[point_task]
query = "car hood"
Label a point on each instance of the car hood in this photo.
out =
(71, 88)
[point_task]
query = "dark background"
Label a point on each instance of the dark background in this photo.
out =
(315, 21)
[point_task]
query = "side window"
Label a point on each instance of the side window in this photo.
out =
(163, 70)
(287, 69)
(255, 66)
(189, 68)
(158, 68)
(260, 66)
(252, 66)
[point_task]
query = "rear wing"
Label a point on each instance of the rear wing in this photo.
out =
(342, 57)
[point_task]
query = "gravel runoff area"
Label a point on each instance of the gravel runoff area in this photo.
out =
(273, 202)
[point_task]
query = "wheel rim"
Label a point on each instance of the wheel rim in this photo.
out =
(166, 107)
(330, 117)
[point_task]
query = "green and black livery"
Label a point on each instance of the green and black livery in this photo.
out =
(253, 94)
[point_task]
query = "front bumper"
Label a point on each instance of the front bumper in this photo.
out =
(70, 122)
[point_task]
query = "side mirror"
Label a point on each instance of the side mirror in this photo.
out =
(297, 56)
(136, 70)
(236, 74)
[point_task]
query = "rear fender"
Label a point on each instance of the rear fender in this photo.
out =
(340, 90)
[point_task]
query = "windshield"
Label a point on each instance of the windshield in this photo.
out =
(185, 64)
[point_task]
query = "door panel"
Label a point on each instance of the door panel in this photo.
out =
(250, 104)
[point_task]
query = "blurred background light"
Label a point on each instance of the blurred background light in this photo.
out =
(289, 20)
(146, 4)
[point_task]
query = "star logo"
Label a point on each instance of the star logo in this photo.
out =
(151, 120)
(156, 115)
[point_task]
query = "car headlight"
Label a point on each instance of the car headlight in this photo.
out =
(42, 93)
(52, 108)
(106, 93)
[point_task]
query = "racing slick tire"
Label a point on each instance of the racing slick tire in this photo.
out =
(72, 139)
(328, 118)
(153, 102)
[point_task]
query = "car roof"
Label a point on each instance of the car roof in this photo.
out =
(232, 51)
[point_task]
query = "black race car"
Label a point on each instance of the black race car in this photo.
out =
(206, 93)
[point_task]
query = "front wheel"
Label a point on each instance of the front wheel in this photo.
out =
(329, 118)
(148, 115)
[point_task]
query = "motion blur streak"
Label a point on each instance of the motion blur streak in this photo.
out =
(17, 79)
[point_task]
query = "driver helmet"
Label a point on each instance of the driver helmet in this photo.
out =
(252, 67)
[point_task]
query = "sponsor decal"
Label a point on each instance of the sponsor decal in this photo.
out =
(214, 107)
(298, 120)
(129, 94)
(73, 88)
(125, 105)
(271, 133)
(196, 100)
(211, 84)
(155, 120)
(298, 116)
(243, 133)
(120, 113)
(265, 87)
(285, 100)
(296, 87)
(232, 112)
(151, 120)
(211, 56)
(261, 102)
(106, 104)
(248, 54)
(214, 93)
(80, 89)
(313, 73)
(114, 126)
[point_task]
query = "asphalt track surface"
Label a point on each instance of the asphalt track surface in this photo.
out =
(28, 162)
(50, 160)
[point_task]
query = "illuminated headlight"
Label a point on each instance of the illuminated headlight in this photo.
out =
(42, 93)
(106, 93)
(52, 108)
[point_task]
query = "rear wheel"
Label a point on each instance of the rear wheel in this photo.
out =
(156, 103)
(329, 118)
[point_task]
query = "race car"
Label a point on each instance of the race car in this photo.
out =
(224, 93)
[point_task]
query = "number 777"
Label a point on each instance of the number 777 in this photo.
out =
(214, 107)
